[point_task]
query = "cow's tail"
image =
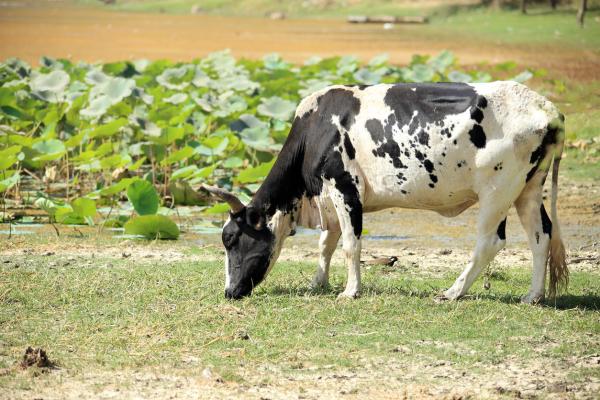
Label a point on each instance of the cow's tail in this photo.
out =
(557, 260)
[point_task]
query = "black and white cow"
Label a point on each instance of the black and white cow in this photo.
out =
(440, 147)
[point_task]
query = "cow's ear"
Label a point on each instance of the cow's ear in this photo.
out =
(256, 218)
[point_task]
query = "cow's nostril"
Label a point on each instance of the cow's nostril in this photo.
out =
(228, 294)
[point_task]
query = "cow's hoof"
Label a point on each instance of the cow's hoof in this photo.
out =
(348, 295)
(533, 299)
(319, 284)
(450, 295)
(440, 298)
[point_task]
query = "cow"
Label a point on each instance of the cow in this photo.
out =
(432, 146)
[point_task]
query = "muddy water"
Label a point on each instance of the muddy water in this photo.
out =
(30, 29)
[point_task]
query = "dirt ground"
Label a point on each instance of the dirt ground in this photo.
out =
(30, 29)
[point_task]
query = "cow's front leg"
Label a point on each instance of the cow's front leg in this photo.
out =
(327, 243)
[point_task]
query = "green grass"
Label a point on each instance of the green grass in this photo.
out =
(121, 314)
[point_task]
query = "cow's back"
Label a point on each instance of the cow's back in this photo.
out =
(433, 146)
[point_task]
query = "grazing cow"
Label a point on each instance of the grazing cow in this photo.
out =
(440, 147)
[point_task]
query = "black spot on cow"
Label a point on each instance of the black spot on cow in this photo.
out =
(481, 102)
(477, 115)
(376, 130)
(349, 147)
(538, 155)
(501, 231)
(477, 136)
(423, 138)
(454, 142)
(431, 185)
(428, 165)
(546, 223)
(383, 137)
(433, 178)
(498, 167)
(430, 103)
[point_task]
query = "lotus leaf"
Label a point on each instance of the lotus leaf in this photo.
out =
(152, 227)
(379, 60)
(49, 87)
(274, 61)
(10, 181)
(256, 173)
(276, 107)
(174, 78)
(177, 98)
(522, 77)
(143, 197)
(458, 76)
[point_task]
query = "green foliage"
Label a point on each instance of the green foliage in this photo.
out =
(143, 197)
(152, 227)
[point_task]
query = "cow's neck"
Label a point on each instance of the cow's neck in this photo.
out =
(281, 224)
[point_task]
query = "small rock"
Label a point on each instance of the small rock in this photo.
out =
(126, 255)
(445, 252)
(49, 253)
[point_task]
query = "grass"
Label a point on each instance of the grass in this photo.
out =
(120, 314)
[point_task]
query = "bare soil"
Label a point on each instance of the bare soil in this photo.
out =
(30, 29)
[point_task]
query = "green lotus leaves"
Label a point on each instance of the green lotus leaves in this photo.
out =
(10, 156)
(347, 65)
(49, 87)
(418, 73)
(441, 61)
(276, 107)
(367, 77)
(152, 227)
(8, 179)
(255, 174)
(312, 85)
(273, 61)
(177, 98)
(49, 150)
(175, 78)
(379, 60)
(143, 197)
(458, 76)
(522, 77)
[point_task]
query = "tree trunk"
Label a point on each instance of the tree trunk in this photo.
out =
(553, 4)
(496, 4)
(581, 12)
(524, 6)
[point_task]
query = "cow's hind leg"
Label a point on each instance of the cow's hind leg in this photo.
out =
(327, 243)
(491, 238)
(538, 228)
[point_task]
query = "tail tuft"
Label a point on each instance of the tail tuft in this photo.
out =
(557, 264)
(557, 257)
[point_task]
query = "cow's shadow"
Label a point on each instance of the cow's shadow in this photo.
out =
(562, 302)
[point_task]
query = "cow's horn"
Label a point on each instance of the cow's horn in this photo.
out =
(231, 199)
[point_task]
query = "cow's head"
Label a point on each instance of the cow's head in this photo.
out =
(251, 245)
